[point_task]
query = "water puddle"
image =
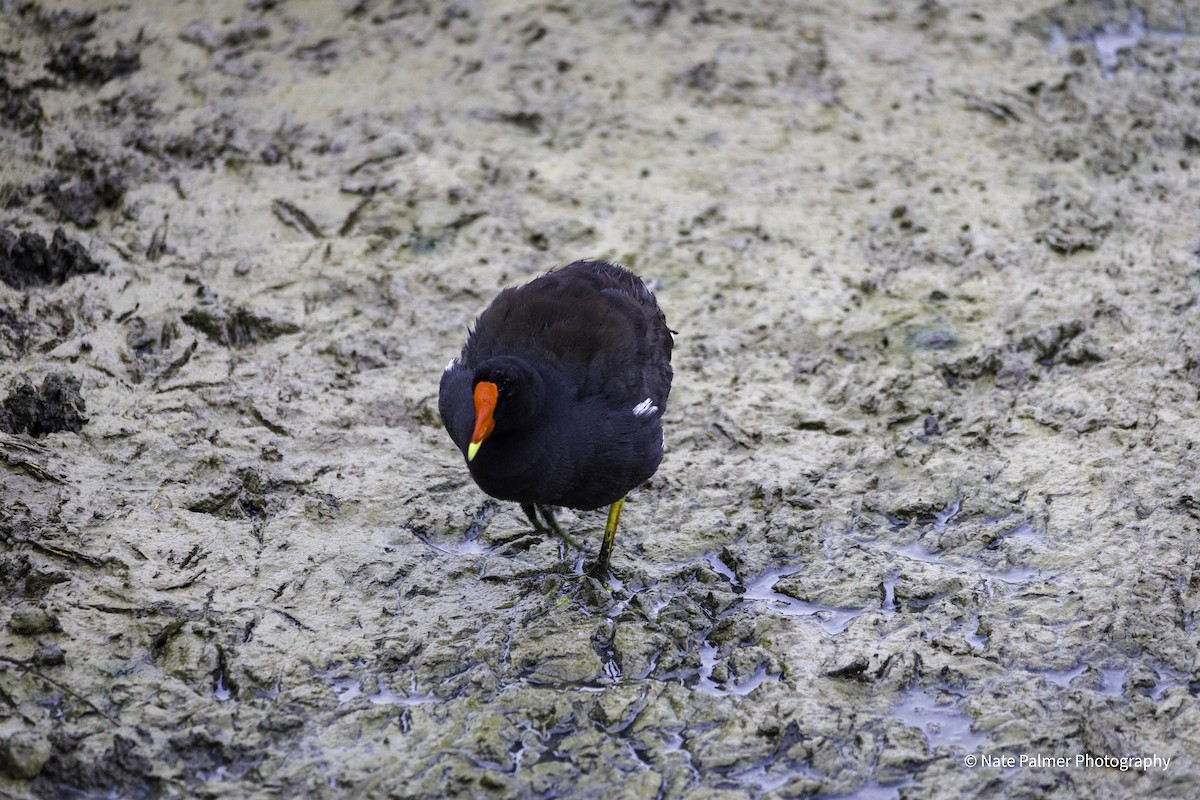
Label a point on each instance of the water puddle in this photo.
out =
(386, 697)
(705, 683)
(1065, 676)
(1017, 576)
(1112, 681)
(349, 688)
(674, 743)
(968, 629)
(943, 723)
(1113, 40)
(1170, 679)
(221, 691)
(466, 547)
(875, 791)
(974, 638)
(769, 777)
(722, 569)
(915, 551)
(889, 595)
(346, 688)
(1023, 533)
(833, 619)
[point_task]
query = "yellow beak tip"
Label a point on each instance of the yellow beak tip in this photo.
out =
(472, 449)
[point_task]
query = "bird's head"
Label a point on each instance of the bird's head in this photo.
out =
(507, 394)
(487, 394)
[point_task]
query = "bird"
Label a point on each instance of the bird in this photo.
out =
(557, 398)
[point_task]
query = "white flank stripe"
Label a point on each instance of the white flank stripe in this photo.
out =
(644, 408)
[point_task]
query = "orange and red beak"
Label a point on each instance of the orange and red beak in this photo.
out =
(486, 394)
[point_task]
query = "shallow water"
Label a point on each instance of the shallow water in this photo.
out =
(940, 719)
(833, 620)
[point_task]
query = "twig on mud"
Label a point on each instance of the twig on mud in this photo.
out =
(36, 471)
(352, 217)
(16, 662)
(186, 582)
(293, 216)
(291, 619)
(61, 552)
(21, 461)
(176, 365)
(396, 152)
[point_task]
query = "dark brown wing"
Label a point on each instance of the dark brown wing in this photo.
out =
(596, 321)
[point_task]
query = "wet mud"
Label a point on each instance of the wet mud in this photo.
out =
(927, 521)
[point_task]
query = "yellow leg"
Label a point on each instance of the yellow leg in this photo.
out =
(610, 531)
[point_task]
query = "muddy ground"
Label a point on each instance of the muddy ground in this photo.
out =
(929, 506)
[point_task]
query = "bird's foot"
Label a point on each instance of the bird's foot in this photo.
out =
(550, 525)
(599, 572)
(586, 589)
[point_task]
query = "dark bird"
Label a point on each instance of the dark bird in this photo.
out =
(558, 395)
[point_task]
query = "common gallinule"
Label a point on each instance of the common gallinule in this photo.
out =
(558, 396)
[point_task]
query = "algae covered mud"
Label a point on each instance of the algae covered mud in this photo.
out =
(927, 521)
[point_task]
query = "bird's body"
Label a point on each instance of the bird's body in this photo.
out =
(558, 396)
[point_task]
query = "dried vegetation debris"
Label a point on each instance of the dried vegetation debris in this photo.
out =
(20, 110)
(27, 260)
(84, 183)
(55, 406)
(236, 326)
(75, 61)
